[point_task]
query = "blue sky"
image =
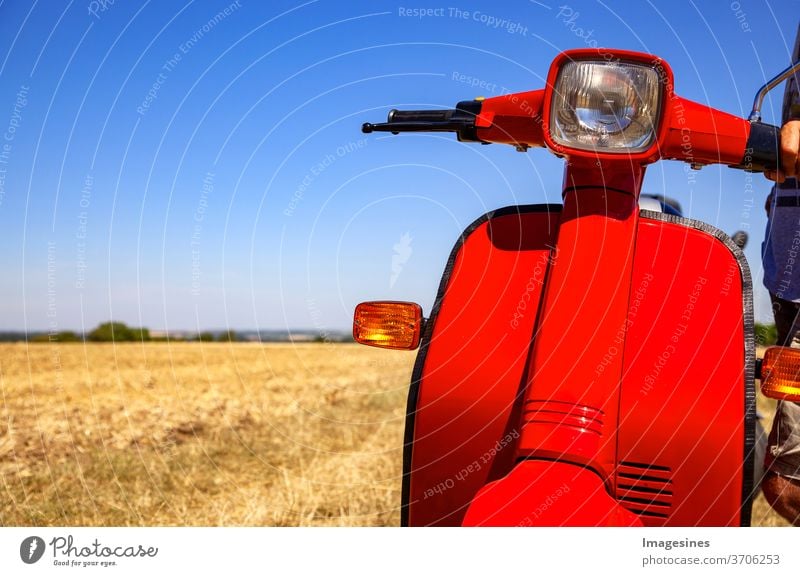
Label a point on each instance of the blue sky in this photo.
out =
(200, 165)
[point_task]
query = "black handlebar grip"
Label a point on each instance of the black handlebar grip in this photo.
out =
(762, 151)
(419, 115)
(460, 120)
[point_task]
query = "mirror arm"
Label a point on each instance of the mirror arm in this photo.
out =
(755, 114)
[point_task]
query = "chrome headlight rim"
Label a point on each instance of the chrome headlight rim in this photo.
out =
(651, 107)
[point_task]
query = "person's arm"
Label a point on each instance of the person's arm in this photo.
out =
(790, 146)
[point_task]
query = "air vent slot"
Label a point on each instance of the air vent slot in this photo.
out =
(645, 489)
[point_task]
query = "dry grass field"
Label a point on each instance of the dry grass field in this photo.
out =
(205, 434)
(201, 434)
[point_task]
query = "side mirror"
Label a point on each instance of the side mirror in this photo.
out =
(780, 373)
(393, 325)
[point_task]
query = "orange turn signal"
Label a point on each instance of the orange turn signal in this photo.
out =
(780, 373)
(395, 325)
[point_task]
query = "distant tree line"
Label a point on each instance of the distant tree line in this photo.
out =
(765, 335)
(121, 332)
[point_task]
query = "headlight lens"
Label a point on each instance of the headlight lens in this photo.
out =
(605, 107)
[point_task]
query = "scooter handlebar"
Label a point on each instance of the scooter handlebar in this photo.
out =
(460, 120)
(692, 132)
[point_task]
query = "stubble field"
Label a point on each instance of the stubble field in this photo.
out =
(195, 434)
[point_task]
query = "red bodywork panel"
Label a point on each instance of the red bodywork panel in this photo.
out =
(514, 119)
(572, 392)
(682, 427)
(548, 493)
(674, 451)
(464, 403)
(699, 134)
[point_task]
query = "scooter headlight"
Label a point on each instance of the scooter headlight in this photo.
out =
(605, 107)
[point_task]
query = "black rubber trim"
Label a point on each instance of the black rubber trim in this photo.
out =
(761, 150)
(413, 391)
(470, 109)
(748, 490)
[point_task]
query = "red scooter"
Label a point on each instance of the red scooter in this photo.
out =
(591, 363)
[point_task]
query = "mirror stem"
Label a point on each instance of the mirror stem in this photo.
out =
(755, 115)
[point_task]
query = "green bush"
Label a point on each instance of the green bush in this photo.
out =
(118, 332)
(229, 336)
(766, 334)
(64, 336)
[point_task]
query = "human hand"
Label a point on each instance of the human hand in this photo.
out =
(790, 145)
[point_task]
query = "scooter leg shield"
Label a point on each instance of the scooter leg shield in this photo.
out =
(465, 398)
(547, 493)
